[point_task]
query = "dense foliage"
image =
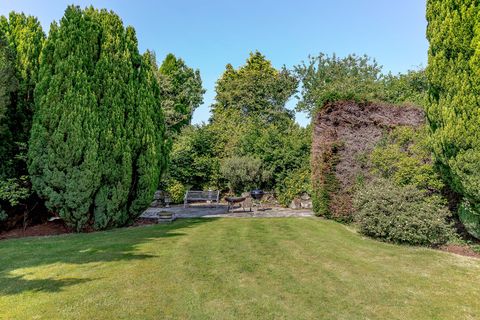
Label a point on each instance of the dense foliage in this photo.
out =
(256, 90)
(96, 149)
(181, 90)
(296, 183)
(250, 119)
(8, 87)
(251, 133)
(330, 78)
(24, 37)
(243, 173)
(21, 41)
(453, 112)
(404, 157)
(410, 87)
(403, 203)
(402, 214)
(192, 160)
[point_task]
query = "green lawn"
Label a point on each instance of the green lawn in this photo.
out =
(233, 269)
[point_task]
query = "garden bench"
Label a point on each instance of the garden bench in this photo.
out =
(199, 196)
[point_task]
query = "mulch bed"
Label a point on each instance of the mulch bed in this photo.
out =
(53, 228)
(461, 250)
(143, 222)
(45, 229)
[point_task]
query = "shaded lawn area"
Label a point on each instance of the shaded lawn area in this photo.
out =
(274, 268)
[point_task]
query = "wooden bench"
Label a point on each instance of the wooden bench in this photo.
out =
(199, 196)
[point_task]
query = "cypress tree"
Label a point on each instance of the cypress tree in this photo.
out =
(8, 86)
(97, 144)
(22, 40)
(454, 111)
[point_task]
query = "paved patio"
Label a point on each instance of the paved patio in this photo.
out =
(205, 211)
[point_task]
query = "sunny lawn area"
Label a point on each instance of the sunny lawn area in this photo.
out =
(282, 268)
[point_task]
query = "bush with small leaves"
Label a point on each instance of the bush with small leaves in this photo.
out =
(404, 156)
(176, 190)
(402, 214)
(243, 173)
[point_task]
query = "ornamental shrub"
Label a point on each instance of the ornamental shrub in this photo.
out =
(176, 190)
(401, 214)
(97, 143)
(243, 173)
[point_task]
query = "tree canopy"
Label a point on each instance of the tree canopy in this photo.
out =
(330, 78)
(327, 78)
(181, 90)
(256, 90)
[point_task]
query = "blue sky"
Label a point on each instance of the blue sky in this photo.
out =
(210, 34)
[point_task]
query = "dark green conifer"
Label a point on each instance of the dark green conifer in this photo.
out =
(97, 145)
(22, 41)
(454, 111)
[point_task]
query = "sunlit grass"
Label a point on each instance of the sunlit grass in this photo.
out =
(233, 269)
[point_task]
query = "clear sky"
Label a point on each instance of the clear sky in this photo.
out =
(211, 33)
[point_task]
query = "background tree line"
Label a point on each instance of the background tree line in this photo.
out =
(81, 111)
(90, 127)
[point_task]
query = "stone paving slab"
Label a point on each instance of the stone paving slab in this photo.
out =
(198, 211)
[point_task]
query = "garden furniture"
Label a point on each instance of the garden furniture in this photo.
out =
(209, 196)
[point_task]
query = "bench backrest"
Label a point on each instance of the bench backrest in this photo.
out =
(202, 195)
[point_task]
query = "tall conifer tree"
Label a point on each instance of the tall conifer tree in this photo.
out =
(454, 111)
(97, 144)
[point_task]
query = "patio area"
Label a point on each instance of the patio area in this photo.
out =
(205, 211)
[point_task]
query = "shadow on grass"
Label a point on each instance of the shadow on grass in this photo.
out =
(78, 249)
(18, 284)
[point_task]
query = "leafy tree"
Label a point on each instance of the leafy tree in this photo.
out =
(453, 112)
(256, 89)
(410, 87)
(193, 161)
(97, 144)
(330, 78)
(182, 92)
